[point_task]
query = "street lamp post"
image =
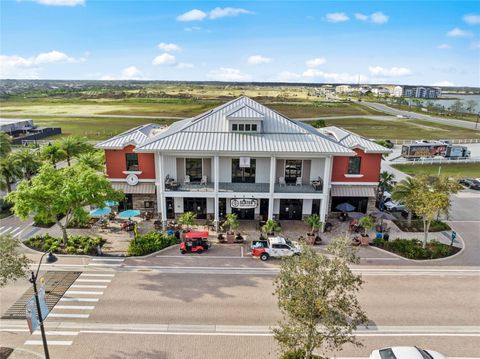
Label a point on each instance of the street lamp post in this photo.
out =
(33, 279)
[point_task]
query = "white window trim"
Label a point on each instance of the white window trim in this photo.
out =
(353, 175)
(132, 172)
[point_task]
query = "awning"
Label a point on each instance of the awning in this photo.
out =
(353, 191)
(140, 188)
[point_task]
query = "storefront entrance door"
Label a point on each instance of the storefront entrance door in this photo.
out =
(291, 209)
(244, 213)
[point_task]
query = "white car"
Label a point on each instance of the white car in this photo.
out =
(275, 247)
(393, 206)
(405, 353)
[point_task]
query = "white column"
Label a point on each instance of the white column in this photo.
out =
(327, 183)
(273, 170)
(216, 175)
(157, 182)
(162, 205)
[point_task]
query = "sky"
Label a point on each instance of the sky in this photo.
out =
(397, 42)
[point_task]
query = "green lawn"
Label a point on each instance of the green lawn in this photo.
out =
(402, 129)
(453, 169)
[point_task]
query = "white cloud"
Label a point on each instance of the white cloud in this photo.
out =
(472, 19)
(444, 46)
(337, 17)
(444, 83)
(391, 72)
(457, 32)
(184, 65)
(192, 15)
(258, 59)
(475, 45)
(316, 62)
(334, 76)
(169, 47)
(361, 17)
(131, 73)
(228, 74)
(288, 76)
(164, 59)
(52, 57)
(219, 12)
(60, 2)
(193, 28)
(379, 17)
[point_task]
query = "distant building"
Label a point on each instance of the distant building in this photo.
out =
(421, 91)
(381, 91)
(23, 130)
(343, 89)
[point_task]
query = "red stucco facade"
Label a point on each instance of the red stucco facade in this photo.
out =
(116, 163)
(369, 168)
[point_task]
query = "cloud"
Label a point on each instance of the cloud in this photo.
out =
(288, 76)
(444, 46)
(333, 76)
(391, 72)
(228, 74)
(184, 65)
(258, 59)
(164, 59)
(60, 2)
(52, 57)
(316, 62)
(457, 32)
(475, 45)
(192, 15)
(217, 13)
(193, 28)
(361, 17)
(169, 47)
(472, 19)
(131, 73)
(444, 83)
(377, 17)
(337, 17)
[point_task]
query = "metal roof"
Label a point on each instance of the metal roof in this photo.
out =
(352, 140)
(140, 188)
(210, 132)
(135, 136)
(352, 191)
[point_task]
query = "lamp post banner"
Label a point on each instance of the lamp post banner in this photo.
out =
(31, 315)
(243, 203)
(43, 302)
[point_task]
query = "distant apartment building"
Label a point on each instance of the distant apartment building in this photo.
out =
(343, 89)
(421, 91)
(381, 91)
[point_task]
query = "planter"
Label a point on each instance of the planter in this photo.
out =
(230, 238)
(311, 238)
(365, 240)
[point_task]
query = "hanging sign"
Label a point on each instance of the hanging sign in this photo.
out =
(244, 162)
(243, 203)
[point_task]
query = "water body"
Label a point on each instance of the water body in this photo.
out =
(451, 98)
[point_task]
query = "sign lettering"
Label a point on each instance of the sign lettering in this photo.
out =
(243, 203)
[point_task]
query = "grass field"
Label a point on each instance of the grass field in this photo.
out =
(454, 169)
(402, 129)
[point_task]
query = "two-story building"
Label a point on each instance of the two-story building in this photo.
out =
(245, 158)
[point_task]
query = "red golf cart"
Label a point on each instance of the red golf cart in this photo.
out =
(194, 242)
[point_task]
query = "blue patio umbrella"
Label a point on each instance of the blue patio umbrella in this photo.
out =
(100, 212)
(345, 207)
(129, 213)
(111, 203)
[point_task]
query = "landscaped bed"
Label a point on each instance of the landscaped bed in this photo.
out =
(150, 243)
(75, 244)
(412, 248)
(416, 225)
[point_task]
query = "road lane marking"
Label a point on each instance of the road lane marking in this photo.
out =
(68, 292)
(58, 333)
(94, 280)
(78, 299)
(80, 307)
(88, 286)
(50, 342)
(68, 315)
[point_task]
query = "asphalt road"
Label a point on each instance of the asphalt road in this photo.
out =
(197, 315)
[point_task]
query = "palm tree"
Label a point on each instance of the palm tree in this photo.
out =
(386, 181)
(53, 153)
(94, 160)
(187, 219)
(270, 227)
(9, 170)
(73, 146)
(5, 144)
(28, 161)
(402, 191)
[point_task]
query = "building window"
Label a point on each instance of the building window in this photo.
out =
(293, 169)
(234, 127)
(247, 127)
(241, 127)
(243, 174)
(354, 165)
(148, 204)
(132, 161)
(193, 168)
(244, 127)
(254, 128)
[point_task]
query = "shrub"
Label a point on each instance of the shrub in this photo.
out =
(75, 244)
(417, 226)
(297, 354)
(149, 243)
(412, 248)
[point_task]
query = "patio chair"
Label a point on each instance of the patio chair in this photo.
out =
(281, 181)
(204, 180)
(186, 180)
(299, 181)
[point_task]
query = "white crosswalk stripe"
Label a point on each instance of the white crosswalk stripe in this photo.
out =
(79, 307)
(50, 342)
(94, 280)
(88, 286)
(78, 299)
(6, 230)
(15, 230)
(69, 292)
(68, 315)
(96, 275)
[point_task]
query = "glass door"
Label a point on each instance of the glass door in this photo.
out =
(243, 174)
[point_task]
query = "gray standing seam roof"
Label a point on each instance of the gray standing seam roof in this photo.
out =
(352, 140)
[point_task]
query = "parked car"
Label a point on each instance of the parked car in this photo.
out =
(394, 206)
(470, 183)
(275, 247)
(405, 353)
